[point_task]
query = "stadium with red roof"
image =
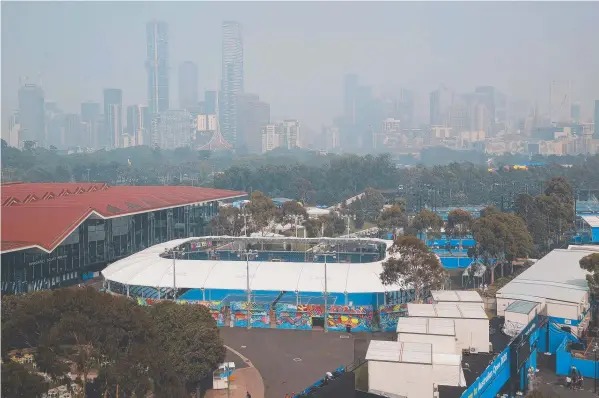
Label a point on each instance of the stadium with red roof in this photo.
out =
(61, 233)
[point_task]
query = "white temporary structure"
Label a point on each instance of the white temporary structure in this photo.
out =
(411, 370)
(471, 322)
(456, 296)
(438, 332)
(151, 267)
(556, 280)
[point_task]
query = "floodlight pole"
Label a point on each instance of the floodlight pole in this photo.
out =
(247, 266)
(326, 293)
(175, 252)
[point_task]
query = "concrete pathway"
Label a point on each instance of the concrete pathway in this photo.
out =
(246, 380)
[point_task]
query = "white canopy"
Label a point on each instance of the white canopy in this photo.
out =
(148, 268)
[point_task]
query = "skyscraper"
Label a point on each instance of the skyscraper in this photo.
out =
(596, 120)
(188, 85)
(231, 79)
(252, 115)
(32, 117)
(157, 66)
(575, 112)
(113, 118)
(137, 128)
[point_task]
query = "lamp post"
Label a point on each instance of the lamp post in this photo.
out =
(326, 290)
(248, 254)
(175, 252)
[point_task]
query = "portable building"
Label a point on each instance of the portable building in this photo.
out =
(456, 296)
(471, 323)
(519, 314)
(410, 369)
(557, 282)
(438, 332)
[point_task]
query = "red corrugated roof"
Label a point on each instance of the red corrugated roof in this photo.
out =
(46, 223)
(16, 193)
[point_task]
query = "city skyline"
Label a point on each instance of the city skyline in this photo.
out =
(290, 67)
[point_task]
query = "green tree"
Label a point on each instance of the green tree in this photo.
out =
(19, 382)
(459, 224)
(191, 344)
(412, 265)
(392, 218)
(590, 263)
(500, 239)
(292, 211)
(372, 203)
(229, 221)
(428, 223)
(263, 211)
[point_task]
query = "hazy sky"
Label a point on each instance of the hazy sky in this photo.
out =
(297, 53)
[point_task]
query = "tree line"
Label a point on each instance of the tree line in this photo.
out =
(105, 343)
(306, 176)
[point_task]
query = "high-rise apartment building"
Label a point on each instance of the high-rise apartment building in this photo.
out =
(113, 118)
(252, 115)
(137, 129)
(32, 117)
(231, 78)
(283, 134)
(188, 85)
(157, 66)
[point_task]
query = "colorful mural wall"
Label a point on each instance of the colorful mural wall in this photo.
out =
(259, 314)
(299, 317)
(216, 308)
(358, 317)
(389, 314)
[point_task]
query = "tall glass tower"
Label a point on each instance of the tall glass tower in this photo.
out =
(157, 66)
(232, 78)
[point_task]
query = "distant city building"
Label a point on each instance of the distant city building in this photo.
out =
(361, 113)
(157, 66)
(188, 85)
(270, 138)
(91, 114)
(55, 125)
(113, 118)
(496, 103)
(596, 120)
(173, 129)
(31, 114)
(441, 101)
(252, 115)
(331, 137)
(206, 123)
(138, 127)
(73, 131)
(210, 98)
(12, 138)
(232, 78)
(283, 134)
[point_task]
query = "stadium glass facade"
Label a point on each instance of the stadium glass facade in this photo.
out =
(95, 242)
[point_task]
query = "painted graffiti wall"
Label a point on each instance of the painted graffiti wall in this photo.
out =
(358, 317)
(216, 308)
(299, 317)
(259, 314)
(389, 314)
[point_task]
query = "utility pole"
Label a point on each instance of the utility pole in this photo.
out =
(175, 252)
(247, 254)
(326, 290)
(245, 221)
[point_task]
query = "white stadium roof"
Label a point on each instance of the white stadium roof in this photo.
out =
(148, 268)
(557, 276)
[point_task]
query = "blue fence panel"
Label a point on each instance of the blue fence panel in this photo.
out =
(492, 379)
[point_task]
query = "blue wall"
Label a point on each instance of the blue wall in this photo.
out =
(488, 384)
(455, 262)
(564, 362)
(556, 336)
